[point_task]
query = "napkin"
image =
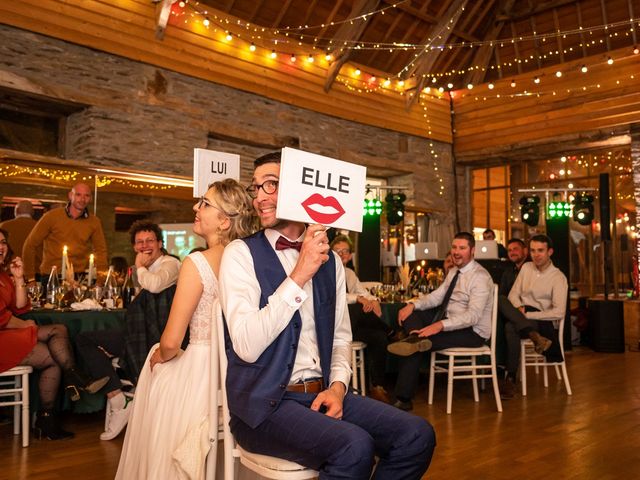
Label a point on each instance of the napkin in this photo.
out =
(86, 304)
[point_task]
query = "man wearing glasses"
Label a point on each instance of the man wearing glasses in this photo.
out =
(289, 349)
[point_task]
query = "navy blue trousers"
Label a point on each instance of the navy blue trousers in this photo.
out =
(343, 449)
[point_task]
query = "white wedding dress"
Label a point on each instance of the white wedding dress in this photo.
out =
(168, 432)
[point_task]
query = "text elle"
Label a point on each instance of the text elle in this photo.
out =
(311, 177)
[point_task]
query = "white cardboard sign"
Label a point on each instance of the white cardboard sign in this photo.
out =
(210, 166)
(318, 189)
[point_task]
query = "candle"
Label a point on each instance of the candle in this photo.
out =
(90, 278)
(65, 259)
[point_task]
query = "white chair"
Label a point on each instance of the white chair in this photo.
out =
(14, 383)
(461, 364)
(264, 465)
(529, 358)
(358, 367)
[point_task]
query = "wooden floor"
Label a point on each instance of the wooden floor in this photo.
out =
(595, 434)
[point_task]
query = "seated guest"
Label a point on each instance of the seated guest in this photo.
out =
(19, 227)
(537, 303)
(45, 348)
(489, 234)
(456, 314)
(366, 323)
(156, 273)
(518, 254)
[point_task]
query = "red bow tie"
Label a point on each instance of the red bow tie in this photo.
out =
(282, 244)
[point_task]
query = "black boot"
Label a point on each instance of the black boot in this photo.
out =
(48, 426)
(75, 380)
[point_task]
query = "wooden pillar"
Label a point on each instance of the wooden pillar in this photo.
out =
(634, 130)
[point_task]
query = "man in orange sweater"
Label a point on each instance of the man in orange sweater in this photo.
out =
(72, 226)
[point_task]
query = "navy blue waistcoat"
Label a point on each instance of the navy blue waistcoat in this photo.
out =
(255, 389)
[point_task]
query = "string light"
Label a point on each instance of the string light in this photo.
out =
(584, 69)
(252, 47)
(274, 54)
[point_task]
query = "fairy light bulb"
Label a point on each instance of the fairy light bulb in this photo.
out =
(310, 59)
(206, 22)
(558, 74)
(610, 61)
(293, 58)
(536, 79)
(228, 37)
(357, 72)
(387, 82)
(513, 83)
(636, 50)
(273, 54)
(470, 86)
(491, 86)
(252, 47)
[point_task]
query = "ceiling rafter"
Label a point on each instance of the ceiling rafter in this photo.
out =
(163, 10)
(422, 67)
(404, 39)
(430, 19)
(281, 14)
(348, 32)
(387, 34)
(534, 9)
(256, 9)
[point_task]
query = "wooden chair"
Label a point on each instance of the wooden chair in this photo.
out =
(14, 383)
(264, 465)
(358, 367)
(529, 358)
(461, 364)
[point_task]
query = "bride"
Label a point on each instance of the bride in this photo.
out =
(171, 405)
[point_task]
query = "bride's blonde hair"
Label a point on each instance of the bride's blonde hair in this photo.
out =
(234, 202)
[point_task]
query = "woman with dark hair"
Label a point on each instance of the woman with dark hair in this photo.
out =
(45, 348)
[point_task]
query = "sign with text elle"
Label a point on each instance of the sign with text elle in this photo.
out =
(210, 166)
(317, 189)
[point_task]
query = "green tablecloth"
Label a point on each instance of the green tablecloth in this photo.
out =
(77, 322)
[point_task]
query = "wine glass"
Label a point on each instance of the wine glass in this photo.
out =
(78, 293)
(114, 293)
(96, 293)
(35, 292)
(60, 292)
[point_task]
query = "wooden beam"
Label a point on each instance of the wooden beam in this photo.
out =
(482, 57)
(348, 32)
(281, 13)
(605, 22)
(163, 10)
(429, 19)
(427, 58)
(538, 7)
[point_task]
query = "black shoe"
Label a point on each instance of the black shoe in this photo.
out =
(507, 389)
(76, 381)
(47, 426)
(410, 345)
(402, 405)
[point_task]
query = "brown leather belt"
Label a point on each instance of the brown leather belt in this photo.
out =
(310, 386)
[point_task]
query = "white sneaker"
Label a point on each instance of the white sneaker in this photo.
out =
(116, 420)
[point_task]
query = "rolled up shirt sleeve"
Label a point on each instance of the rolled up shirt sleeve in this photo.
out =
(253, 329)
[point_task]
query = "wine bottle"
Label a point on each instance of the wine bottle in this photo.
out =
(128, 289)
(53, 285)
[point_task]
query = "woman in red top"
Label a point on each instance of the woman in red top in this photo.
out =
(45, 348)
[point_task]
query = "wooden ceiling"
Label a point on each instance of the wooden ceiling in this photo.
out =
(479, 32)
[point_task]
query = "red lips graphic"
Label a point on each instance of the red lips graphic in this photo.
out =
(319, 217)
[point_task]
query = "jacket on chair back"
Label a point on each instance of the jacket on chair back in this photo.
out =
(254, 390)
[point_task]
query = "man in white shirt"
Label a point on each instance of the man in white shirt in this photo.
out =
(288, 344)
(538, 301)
(155, 269)
(462, 317)
(366, 321)
(156, 272)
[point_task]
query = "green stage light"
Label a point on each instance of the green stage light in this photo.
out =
(372, 207)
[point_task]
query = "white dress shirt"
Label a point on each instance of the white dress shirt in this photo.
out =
(545, 290)
(354, 288)
(470, 303)
(160, 275)
(253, 329)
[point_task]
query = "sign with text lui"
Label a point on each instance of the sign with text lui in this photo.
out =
(210, 166)
(318, 189)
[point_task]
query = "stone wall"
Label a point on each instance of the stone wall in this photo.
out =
(138, 116)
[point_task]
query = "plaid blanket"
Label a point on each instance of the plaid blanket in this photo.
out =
(145, 319)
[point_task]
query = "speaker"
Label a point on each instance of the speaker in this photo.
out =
(368, 249)
(605, 202)
(606, 325)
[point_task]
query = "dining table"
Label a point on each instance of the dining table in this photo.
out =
(76, 321)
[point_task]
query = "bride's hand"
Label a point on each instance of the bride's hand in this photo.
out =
(155, 358)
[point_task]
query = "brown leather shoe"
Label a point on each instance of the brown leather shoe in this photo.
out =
(410, 345)
(540, 344)
(380, 394)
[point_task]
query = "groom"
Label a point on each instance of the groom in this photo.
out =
(288, 343)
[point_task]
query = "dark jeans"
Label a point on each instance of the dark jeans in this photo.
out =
(516, 327)
(370, 329)
(90, 346)
(343, 449)
(409, 367)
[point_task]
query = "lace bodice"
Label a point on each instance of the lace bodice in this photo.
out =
(200, 325)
